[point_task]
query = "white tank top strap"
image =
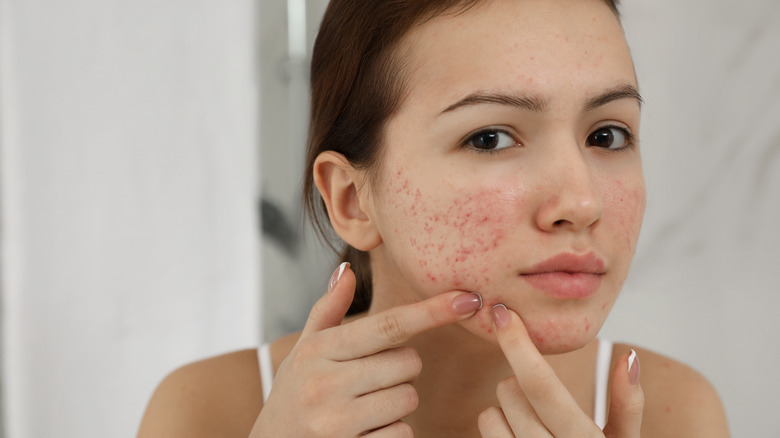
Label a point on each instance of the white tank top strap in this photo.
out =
(603, 362)
(266, 369)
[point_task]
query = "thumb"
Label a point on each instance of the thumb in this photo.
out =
(627, 399)
(329, 310)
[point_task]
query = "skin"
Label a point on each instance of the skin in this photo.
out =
(440, 219)
(451, 217)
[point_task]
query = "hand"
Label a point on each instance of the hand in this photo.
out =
(534, 402)
(353, 379)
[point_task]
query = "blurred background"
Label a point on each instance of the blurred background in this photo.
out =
(150, 165)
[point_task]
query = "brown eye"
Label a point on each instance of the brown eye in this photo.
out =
(609, 137)
(489, 140)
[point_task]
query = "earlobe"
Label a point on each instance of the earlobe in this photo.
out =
(348, 208)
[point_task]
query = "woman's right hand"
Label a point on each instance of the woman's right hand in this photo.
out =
(353, 379)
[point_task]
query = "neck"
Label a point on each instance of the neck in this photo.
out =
(458, 381)
(460, 374)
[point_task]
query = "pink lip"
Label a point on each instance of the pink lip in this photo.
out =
(567, 275)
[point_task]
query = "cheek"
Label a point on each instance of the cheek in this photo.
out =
(448, 237)
(625, 207)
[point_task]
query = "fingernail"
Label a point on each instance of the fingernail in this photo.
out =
(633, 368)
(501, 316)
(467, 303)
(334, 279)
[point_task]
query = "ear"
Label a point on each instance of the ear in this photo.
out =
(348, 204)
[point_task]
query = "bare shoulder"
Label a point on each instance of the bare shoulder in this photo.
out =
(679, 401)
(219, 396)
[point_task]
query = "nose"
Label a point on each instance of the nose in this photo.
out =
(571, 199)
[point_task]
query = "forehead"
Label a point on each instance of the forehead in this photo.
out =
(553, 48)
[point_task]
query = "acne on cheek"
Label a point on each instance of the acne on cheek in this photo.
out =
(461, 237)
(626, 206)
(453, 236)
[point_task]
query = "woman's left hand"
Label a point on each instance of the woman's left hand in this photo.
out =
(535, 403)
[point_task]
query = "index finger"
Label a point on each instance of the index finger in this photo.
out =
(393, 327)
(550, 399)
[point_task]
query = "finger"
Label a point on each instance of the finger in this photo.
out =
(493, 424)
(329, 310)
(395, 326)
(398, 429)
(627, 399)
(384, 407)
(382, 370)
(518, 410)
(552, 402)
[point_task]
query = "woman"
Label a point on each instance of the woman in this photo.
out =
(480, 160)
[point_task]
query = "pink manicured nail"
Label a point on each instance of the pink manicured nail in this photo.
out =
(334, 279)
(501, 316)
(633, 368)
(467, 303)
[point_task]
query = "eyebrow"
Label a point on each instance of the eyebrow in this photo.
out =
(624, 91)
(531, 103)
(540, 104)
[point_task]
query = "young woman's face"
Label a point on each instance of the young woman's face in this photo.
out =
(512, 167)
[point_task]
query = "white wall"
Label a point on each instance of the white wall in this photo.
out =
(129, 184)
(704, 284)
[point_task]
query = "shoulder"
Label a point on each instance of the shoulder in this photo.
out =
(219, 396)
(679, 401)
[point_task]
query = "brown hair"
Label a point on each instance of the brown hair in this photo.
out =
(357, 84)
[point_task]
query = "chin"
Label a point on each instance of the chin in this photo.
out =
(552, 332)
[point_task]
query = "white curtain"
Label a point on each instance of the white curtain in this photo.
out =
(130, 235)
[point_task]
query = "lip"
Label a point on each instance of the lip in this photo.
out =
(567, 276)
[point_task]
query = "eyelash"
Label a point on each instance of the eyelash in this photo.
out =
(630, 138)
(473, 136)
(629, 144)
